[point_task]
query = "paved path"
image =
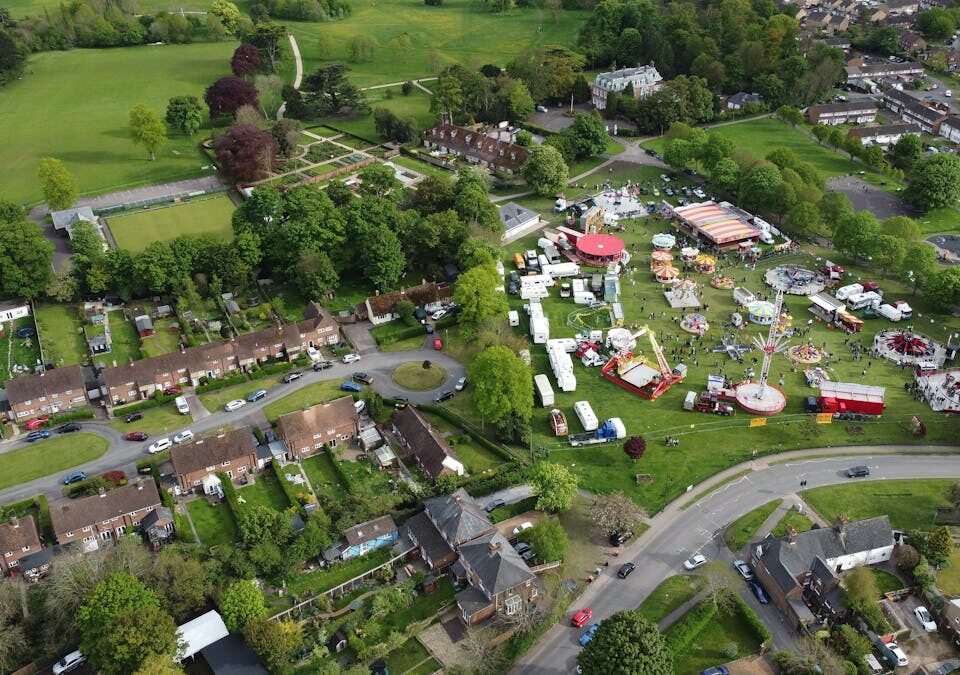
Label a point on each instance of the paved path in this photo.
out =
(416, 83)
(298, 76)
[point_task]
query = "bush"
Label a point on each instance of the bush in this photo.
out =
(213, 385)
(83, 414)
(759, 630)
(157, 399)
(685, 631)
(258, 434)
(118, 478)
(88, 487)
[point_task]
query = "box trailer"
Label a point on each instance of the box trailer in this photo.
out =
(539, 329)
(544, 390)
(596, 283)
(586, 415)
(534, 292)
(553, 255)
(584, 297)
(513, 317)
(561, 270)
(863, 300)
(845, 292)
(841, 397)
(889, 312)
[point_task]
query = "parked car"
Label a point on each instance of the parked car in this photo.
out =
(428, 327)
(74, 477)
(362, 377)
(439, 314)
(400, 402)
(235, 404)
(521, 547)
(437, 343)
(494, 504)
(461, 384)
(443, 396)
(160, 445)
(527, 554)
(716, 670)
(257, 395)
(581, 617)
(858, 471)
(291, 376)
(350, 358)
(626, 569)
(744, 569)
(137, 436)
(39, 435)
(525, 525)
(923, 616)
(183, 437)
(514, 277)
(322, 365)
(758, 591)
(36, 423)
(695, 561)
(67, 428)
(133, 417)
(71, 661)
(350, 386)
(618, 538)
(898, 654)
(172, 391)
(588, 635)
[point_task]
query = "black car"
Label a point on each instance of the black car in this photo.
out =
(428, 327)
(626, 569)
(617, 538)
(650, 151)
(495, 504)
(67, 428)
(514, 277)
(363, 378)
(322, 365)
(133, 417)
(512, 288)
(443, 396)
(858, 471)
(290, 377)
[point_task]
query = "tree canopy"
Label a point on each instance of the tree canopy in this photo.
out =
(503, 386)
(555, 485)
(626, 644)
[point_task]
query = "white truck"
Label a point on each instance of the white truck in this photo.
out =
(863, 300)
(889, 312)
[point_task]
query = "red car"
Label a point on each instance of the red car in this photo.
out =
(437, 344)
(170, 391)
(581, 617)
(37, 423)
(137, 436)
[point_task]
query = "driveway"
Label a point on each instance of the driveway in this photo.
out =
(359, 335)
(510, 495)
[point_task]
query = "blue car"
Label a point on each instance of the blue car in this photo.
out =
(758, 591)
(74, 477)
(37, 436)
(591, 631)
(350, 386)
(257, 395)
(716, 670)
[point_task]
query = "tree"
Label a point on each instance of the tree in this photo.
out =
(758, 189)
(888, 252)
(433, 194)
(935, 181)
(362, 48)
(13, 57)
(246, 60)
(943, 288)
(555, 485)
(269, 38)
(906, 151)
(134, 635)
(274, 641)
(804, 219)
(180, 581)
(472, 202)
(906, 557)
(286, 133)
(382, 256)
(25, 259)
(393, 127)
(327, 92)
(477, 251)
(376, 180)
(835, 208)
(241, 604)
(478, 294)
(952, 494)
(860, 588)
(185, 114)
(936, 24)
(856, 234)
(615, 512)
(726, 176)
(937, 61)
(447, 94)
(245, 152)
(224, 96)
(158, 664)
(789, 115)
(923, 575)
(547, 539)
(545, 171)
(228, 13)
(852, 643)
(317, 275)
(940, 545)
(626, 644)
(588, 136)
(58, 186)
(635, 446)
(147, 129)
(903, 228)
(269, 93)
(918, 265)
(502, 385)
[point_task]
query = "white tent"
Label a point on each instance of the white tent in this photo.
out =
(201, 633)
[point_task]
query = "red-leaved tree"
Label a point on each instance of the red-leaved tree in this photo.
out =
(635, 447)
(245, 152)
(246, 60)
(229, 93)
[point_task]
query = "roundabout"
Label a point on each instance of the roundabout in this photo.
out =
(412, 376)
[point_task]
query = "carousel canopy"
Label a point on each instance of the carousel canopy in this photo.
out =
(761, 308)
(664, 240)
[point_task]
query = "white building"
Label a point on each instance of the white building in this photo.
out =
(645, 81)
(950, 128)
(11, 310)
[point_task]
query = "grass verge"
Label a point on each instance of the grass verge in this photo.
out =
(48, 457)
(910, 503)
(414, 377)
(743, 529)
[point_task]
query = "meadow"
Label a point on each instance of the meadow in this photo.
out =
(135, 230)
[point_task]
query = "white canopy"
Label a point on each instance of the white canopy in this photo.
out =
(201, 633)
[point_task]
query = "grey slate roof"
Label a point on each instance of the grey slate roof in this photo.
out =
(458, 517)
(64, 219)
(428, 537)
(143, 322)
(36, 560)
(232, 656)
(471, 600)
(513, 215)
(495, 561)
(425, 443)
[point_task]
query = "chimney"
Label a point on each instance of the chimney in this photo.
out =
(14, 521)
(102, 493)
(494, 547)
(140, 485)
(841, 525)
(791, 534)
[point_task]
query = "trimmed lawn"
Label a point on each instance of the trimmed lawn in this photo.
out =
(669, 595)
(416, 105)
(475, 457)
(405, 657)
(61, 334)
(886, 582)
(799, 521)
(304, 398)
(214, 524)
(135, 230)
(948, 578)
(414, 377)
(84, 115)
(163, 341)
(706, 650)
(56, 454)
(423, 607)
(216, 399)
(406, 345)
(743, 529)
(125, 343)
(264, 492)
(156, 421)
(324, 477)
(16, 351)
(323, 580)
(911, 504)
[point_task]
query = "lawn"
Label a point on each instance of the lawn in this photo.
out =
(61, 333)
(265, 491)
(312, 394)
(325, 579)
(68, 107)
(416, 106)
(460, 31)
(475, 457)
(324, 477)
(707, 648)
(414, 377)
(799, 521)
(743, 529)
(911, 504)
(408, 655)
(16, 351)
(424, 606)
(948, 578)
(669, 595)
(216, 399)
(163, 341)
(886, 582)
(53, 455)
(214, 524)
(156, 421)
(135, 230)
(125, 343)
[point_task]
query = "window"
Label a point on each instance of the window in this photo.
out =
(227, 463)
(512, 604)
(8, 554)
(534, 592)
(229, 474)
(121, 530)
(14, 563)
(105, 535)
(68, 534)
(316, 436)
(333, 442)
(242, 469)
(197, 482)
(24, 549)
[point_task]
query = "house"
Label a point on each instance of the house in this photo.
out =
(517, 221)
(950, 128)
(233, 453)
(18, 539)
(912, 111)
(63, 221)
(951, 56)
(852, 112)
(839, 43)
(144, 326)
(323, 425)
(369, 536)
(901, 7)
(103, 516)
(813, 561)
(11, 310)
(454, 532)
(742, 98)
(837, 23)
(476, 147)
(884, 134)
(424, 444)
(906, 70)
(46, 393)
(644, 79)
(382, 308)
(911, 42)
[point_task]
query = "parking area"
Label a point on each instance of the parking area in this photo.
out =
(922, 648)
(507, 527)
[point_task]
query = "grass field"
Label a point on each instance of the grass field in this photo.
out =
(136, 230)
(669, 595)
(156, 421)
(706, 650)
(414, 377)
(461, 31)
(474, 456)
(61, 334)
(74, 105)
(799, 521)
(264, 492)
(304, 398)
(416, 105)
(948, 578)
(53, 455)
(214, 524)
(215, 400)
(911, 504)
(323, 476)
(743, 529)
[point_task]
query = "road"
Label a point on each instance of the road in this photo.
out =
(124, 455)
(676, 534)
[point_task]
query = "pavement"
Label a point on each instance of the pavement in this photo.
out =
(124, 455)
(863, 195)
(675, 534)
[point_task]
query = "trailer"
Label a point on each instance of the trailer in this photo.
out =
(845, 292)
(549, 250)
(583, 297)
(544, 391)
(513, 317)
(849, 397)
(561, 270)
(586, 415)
(611, 430)
(539, 329)
(709, 402)
(869, 299)
(906, 311)
(889, 312)
(558, 422)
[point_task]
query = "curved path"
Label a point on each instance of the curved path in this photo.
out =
(675, 534)
(298, 75)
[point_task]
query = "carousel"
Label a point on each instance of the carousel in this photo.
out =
(664, 241)
(795, 280)
(805, 353)
(666, 274)
(705, 264)
(683, 294)
(659, 258)
(689, 254)
(723, 282)
(695, 323)
(905, 347)
(761, 312)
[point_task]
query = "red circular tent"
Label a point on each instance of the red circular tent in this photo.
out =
(599, 249)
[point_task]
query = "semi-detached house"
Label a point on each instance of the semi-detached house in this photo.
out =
(233, 453)
(18, 539)
(325, 425)
(47, 393)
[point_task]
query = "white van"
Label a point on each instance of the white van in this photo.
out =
(889, 312)
(182, 406)
(861, 300)
(845, 292)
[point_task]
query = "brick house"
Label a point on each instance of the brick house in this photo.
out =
(913, 111)
(476, 147)
(233, 453)
(381, 308)
(104, 516)
(18, 539)
(323, 425)
(47, 393)
(424, 445)
(854, 112)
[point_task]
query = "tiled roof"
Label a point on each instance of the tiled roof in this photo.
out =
(458, 517)
(55, 381)
(476, 145)
(428, 537)
(13, 537)
(495, 561)
(424, 440)
(370, 530)
(423, 294)
(318, 419)
(212, 451)
(70, 515)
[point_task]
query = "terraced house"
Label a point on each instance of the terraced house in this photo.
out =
(196, 464)
(47, 393)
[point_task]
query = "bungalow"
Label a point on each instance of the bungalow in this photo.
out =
(46, 393)
(476, 147)
(853, 112)
(424, 445)
(382, 308)
(884, 134)
(517, 221)
(324, 425)
(63, 221)
(144, 326)
(369, 536)
(233, 453)
(18, 539)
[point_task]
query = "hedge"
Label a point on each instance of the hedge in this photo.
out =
(286, 486)
(82, 414)
(157, 399)
(495, 479)
(213, 385)
(270, 368)
(685, 631)
(180, 525)
(396, 336)
(88, 487)
(258, 434)
(534, 129)
(497, 449)
(760, 631)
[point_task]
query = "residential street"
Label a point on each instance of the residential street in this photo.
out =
(676, 534)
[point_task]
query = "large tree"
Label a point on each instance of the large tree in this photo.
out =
(25, 259)
(906, 151)
(503, 386)
(919, 263)
(241, 604)
(326, 91)
(943, 288)
(382, 256)
(588, 136)
(939, 545)
(185, 114)
(478, 294)
(13, 56)
(615, 512)
(133, 636)
(936, 23)
(59, 187)
(547, 538)
(472, 201)
(147, 129)
(935, 181)
(376, 180)
(246, 61)
(274, 641)
(180, 581)
(545, 171)
(555, 485)
(626, 644)
(227, 94)
(245, 152)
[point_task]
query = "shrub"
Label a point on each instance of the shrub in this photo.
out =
(683, 632)
(118, 478)
(213, 385)
(759, 630)
(730, 651)
(83, 414)
(157, 399)
(293, 496)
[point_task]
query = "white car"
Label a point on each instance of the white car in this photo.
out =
(898, 654)
(71, 661)
(923, 616)
(744, 569)
(313, 354)
(160, 445)
(235, 404)
(526, 525)
(695, 561)
(183, 437)
(461, 384)
(350, 358)
(439, 314)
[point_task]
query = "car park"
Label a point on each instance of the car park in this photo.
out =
(35, 436)
(74, 477)
(494, 504)
(184, 436)
(626, 569)
(461, 384)
(71, 661)
(160, 445)
(137, 436)
(291, 376)
(588, 635)
(526, 525)
(350, 358)
(235, 404)
(695, 561)
(443, 396)
(322, 365)
(362, 378)
(923, 616)
(858, 471)
(36, 423)
(581, 617)
(68, 428)
(257, 395)
(758, 592)
(133, 417)
(744, 569)
(349, 385)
